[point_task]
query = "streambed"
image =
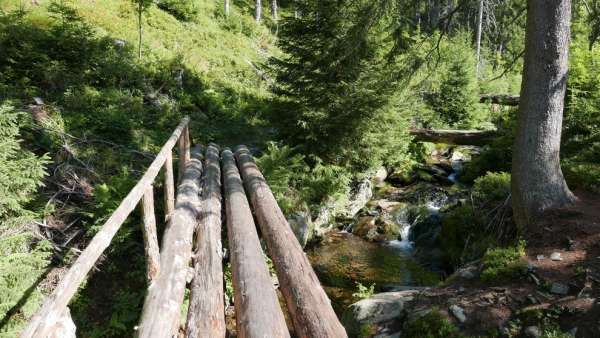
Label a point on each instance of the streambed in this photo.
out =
(412, 257)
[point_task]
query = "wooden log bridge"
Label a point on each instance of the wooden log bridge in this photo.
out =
(191, 254)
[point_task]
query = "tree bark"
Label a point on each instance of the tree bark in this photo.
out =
(140, 28)
(257, 310)
(226, 7)
(206, 313)
(162, 307)
(306, 300)
(459, 137)
(478, 39)
(150, 237)
(537, 180)
(274, 10)
(258, 11)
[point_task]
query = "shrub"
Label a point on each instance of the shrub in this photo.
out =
(432, 325)
(295, 184)
(493, 187)
(504, 263)
(363, 292)
(184, 10)
(21, 171)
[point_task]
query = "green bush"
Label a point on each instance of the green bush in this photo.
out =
(297, 185)
(493, 187)
(21, 171)
(23, 258)
(504, 263)
(464, 235)
(184, 10)
(468, 230)
(432, 325)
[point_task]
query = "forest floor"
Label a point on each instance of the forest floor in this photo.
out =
(561, 292)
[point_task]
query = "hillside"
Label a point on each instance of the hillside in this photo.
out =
(102, 111)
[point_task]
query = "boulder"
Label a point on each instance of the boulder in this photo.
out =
(361, 196)
(380, 176)
(378, 308)
(302, 226)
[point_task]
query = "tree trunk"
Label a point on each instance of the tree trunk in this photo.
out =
(226, 7)
(257, 310)
(479, 25)
(537, 180)
(258, 11)
(140, 28)
(206, 314)
(162, 307)
(306, 300)
(274, 10)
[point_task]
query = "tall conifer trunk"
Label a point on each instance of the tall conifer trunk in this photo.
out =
(258, 11)
(537, 180)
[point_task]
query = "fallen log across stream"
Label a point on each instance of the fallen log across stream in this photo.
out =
(501, 99)
(306, 300)
(457, 137)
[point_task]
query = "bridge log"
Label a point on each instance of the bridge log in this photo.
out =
(306, 300)
(257, 309)
(501, 99)
(458, 137)
(206, 313)
(162, 307)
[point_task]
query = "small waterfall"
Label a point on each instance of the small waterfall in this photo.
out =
(404, 243)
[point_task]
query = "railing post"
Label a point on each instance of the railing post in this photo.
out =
(169, 187)
(150, 238)
(184, 151)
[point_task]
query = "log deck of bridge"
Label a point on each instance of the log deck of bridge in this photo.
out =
(191, 254)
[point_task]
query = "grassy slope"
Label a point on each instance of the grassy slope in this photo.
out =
(227, 97)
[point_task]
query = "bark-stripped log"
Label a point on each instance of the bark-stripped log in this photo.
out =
(184, 152)
(306, 300)
(458, 137)
(150, 237)
(55, 305)
(162, 307)
(257, 309)
(169, 187)
(206, 313)
(501, 99)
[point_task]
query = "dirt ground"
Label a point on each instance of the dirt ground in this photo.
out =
(574, 233)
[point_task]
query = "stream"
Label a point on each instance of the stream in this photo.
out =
(393, 242)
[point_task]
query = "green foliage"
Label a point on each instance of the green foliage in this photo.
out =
(455, 102)
(363, 292)
(295, 184)
(504, 263)
(432, 325)
(493, 187)
(184, 10)
(21, 171)
(470, 229)
(23, 264)
(335, 96)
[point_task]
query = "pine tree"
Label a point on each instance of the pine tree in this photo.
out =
(333, 81)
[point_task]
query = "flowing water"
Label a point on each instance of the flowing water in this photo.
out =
(342, 260)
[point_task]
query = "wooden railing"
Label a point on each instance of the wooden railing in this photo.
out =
(198, 208)
(55, 306)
